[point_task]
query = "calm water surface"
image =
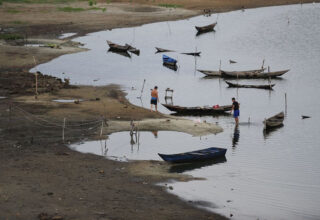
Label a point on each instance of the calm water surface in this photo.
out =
(265, 176)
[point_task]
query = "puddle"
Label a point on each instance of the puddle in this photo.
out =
(3, 97)
(66, 35)
(67, 100)
(144, 145)
(34, 45)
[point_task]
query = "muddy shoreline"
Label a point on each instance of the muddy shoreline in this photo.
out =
(41, 178)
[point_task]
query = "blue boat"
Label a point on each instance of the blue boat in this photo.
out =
(168, 60)
(198, 155)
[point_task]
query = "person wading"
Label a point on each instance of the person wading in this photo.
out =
(236, 111)
(154, 98)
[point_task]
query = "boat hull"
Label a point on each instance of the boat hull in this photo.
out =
(252, 74)
(198, 110)
(195, 156)
(236, 85)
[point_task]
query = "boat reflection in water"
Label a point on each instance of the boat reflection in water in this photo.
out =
(184, 167)
(122, 53)
(171, 66)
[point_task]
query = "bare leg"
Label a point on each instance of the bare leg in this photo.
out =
(151, 108)
(237, 120)
(156, 107)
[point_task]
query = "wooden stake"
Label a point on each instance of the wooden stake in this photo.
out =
(101, 128)
(63, 126)
(285, 99)
(36, 75)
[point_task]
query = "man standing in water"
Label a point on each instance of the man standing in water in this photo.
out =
(236, 111)
(154, 98)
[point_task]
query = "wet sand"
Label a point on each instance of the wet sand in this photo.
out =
(40, 175)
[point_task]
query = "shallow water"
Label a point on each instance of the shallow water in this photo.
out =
(67, 100)
(266, 176)
(66, 35)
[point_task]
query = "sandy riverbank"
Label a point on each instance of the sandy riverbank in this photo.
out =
(39, 173)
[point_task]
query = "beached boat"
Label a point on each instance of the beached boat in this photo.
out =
(206, 28)
(193, 54)
(117, 47)
(236, 85)
(168, 60)
(252, 74)
(193, 156)
(161, 50)
(274, 121)
(210, 72)
(198, 110)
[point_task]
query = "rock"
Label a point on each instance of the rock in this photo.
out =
(170, 187)
(43, 216)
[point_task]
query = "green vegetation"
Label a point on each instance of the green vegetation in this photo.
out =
(9, 36)
(12, 11)
(108, 1)
(19, 22)
(70, 9)
(170, 5)
(40, 1)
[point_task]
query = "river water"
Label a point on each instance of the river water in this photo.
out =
(265, 176)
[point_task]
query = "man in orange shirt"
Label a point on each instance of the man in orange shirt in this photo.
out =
(154, 98)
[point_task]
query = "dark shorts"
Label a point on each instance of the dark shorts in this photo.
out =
(154, 101)
(236, 113)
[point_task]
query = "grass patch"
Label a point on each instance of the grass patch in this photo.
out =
(170, 5)
(10, 36)
(19, 22)
(71, 9)
(12, 11)
(41, 1)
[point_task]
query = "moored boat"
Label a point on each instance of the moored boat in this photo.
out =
(161, 50)
(198, 110)
(206, 28)
(168, 60)
(252, 74)
(117, 47)
(193, 156)
(274, 121)
(193, 54)
(133, 50)
(236, 85)
(210, 72)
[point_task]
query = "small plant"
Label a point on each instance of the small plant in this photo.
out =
(70, 9)
(0, 2)
(104, 9)
(170, 5)
(12, 11)
(108, 1)
(90, 2)
(9, 36)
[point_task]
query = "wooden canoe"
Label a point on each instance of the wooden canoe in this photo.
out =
(161, 50)
(236, 85)
(274, 121)
(117, 47)
(194, 156)
(198, 110)
(210, 72)
(193, 54)
(219, 72)
(206, 28)
(252, 74)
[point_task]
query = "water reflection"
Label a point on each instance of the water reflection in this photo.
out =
(181, 168)
(172, 67)
(236, 136)
(122, 53)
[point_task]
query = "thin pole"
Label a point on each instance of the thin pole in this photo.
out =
(36, 75)
(63, 126)
(285, 99)
(101, 128)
